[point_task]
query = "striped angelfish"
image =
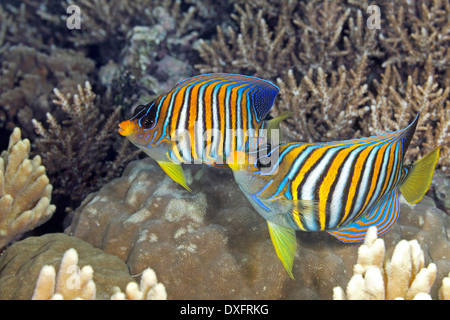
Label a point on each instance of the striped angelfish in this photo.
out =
(342, 187)
(202, 119)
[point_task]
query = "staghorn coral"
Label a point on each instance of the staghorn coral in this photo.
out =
(275, 36)
(397, 102)
(418, 31)
(342, 105)
(75, 283)
(76, 151)
(146, 219)
(70, 283)
(331, 105)
(25, 191)
(444, 292)
(402, 277)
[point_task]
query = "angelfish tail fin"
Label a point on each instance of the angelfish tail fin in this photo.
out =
(418, 177)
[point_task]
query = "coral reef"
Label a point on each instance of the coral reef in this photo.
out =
(78, 159)
(343, 70)
(402, 277)
(331, 105)
(146, 219)
(25, 191)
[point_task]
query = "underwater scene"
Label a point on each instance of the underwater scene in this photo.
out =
(224, 150)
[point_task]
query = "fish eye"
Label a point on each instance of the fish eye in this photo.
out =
(147, 121)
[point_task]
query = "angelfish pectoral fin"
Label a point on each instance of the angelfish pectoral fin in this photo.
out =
(174, 171)
(285, 244)
(274, 124)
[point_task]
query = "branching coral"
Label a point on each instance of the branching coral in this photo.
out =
(73, 282)
(402, 277)
(418, 31)
(396, 103)
(325, 106)
(25, 191)
(148, 289)
(70, 283)
(256, 49)
(76, 151)
(274, 36)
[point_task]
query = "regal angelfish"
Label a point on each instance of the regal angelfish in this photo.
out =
(342, 187)
(202, 119)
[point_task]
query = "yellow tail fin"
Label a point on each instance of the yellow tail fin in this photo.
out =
(419, 177)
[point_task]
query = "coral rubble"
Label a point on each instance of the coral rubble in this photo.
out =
(25, 191)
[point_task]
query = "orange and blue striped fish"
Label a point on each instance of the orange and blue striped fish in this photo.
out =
(342, 187)
(203, 119)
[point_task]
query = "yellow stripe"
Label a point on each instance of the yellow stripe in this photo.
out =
(375, 176)
(193, 106)
(314, 157)
(328, 182)
(222, 119)
(234, 108)
(296, 217)
(356, 174)
(208, 117)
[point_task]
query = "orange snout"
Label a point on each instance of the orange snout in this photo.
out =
(126, 127)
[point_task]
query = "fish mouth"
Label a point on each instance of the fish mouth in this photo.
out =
(125, 128)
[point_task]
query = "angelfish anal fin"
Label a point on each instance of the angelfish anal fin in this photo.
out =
(285, 244)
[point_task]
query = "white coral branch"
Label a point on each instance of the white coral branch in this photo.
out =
(403, 277)
(25, 191)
